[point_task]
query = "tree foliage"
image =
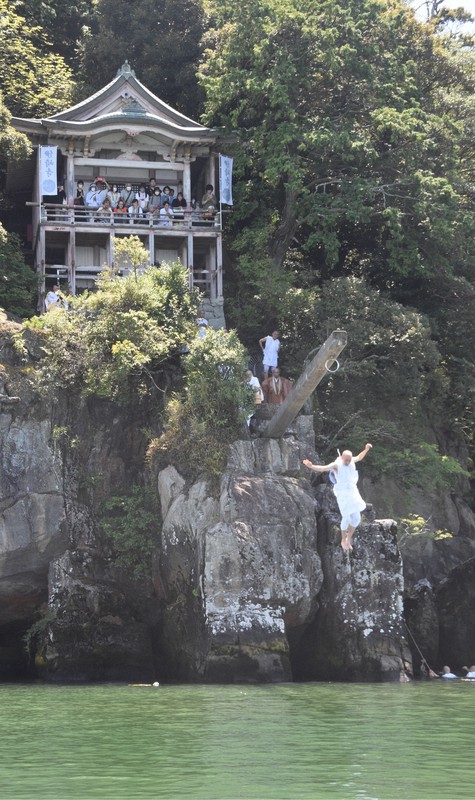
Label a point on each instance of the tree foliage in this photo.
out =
(350, 147)
(34, 80)
(17, 280)
(211, 413)
(116, 341)
(161, 44)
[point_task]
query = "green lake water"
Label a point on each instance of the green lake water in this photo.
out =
(279, 742)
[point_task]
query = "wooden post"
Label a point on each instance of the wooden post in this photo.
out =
(306, 384)
(190, 259)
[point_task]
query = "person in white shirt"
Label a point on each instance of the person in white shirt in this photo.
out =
(55, 299)
(349, 500)
(270, 347)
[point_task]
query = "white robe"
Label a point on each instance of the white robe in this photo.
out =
(346, 491)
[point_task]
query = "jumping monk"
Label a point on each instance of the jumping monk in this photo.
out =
(346, 491)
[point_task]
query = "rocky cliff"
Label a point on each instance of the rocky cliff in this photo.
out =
(255, 585)
(249, 582)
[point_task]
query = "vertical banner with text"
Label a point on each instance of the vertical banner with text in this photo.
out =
(48, 174)
(226, 180)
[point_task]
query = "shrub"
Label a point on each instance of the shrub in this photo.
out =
(113, 342)
(129, 524)
(211, 413)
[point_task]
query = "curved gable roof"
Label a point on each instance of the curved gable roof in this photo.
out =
(125, 100)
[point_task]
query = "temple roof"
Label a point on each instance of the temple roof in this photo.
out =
(123, 103)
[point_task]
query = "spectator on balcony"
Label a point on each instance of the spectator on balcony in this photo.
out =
(120, 211)
(165, 194)
(104, 213)
(178, 205)
(114, 195)
(155, 202)
(91, 201)
(166, 215)
(102, 189)
(135, 213)
(209, 203)
(152, 185)
(79, 199)
(142, 197)
(127, 194)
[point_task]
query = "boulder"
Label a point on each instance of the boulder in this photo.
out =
(241, 570)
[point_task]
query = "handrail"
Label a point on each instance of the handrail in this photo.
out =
(86, 215)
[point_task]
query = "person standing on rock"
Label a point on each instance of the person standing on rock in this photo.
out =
(349, 500)
(270, 347)
(276, 388)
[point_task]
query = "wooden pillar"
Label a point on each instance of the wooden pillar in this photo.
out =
(151, 245)
(187, 180)
(70, 187)
(72, 261)
(219, 266)
(212, 173)
(306, 384)
(110, 249)
(190, 259)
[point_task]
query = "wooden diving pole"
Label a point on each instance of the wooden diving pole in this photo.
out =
(313, 373)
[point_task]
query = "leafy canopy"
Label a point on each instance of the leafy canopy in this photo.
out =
(116, 341)
(18, 282)
(351, 147)
(35, 81)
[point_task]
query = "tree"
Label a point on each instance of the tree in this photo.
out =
(63, 22)
(14, 146)
(34, 80)
(161, 44)
(118, 341)
(17, 281)
(349, 150)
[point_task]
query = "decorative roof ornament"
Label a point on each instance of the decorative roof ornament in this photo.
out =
(126, 70)
(129, 105)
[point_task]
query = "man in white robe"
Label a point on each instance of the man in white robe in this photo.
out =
(349, 500)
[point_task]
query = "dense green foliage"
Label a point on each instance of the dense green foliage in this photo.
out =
(116, 341)
(34, 80)
(350, 140)
(130, 525)
(200, 425)
(18, 282)
(161, 43)
(354, 207)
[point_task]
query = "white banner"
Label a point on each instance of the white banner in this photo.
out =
(48, 174)
(226, 180)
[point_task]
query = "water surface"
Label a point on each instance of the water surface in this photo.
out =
(283, 742)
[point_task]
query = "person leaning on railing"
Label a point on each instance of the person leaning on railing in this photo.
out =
(166, 215)
(135, 213)
(104, 212)
(120, 211)
(179, 205)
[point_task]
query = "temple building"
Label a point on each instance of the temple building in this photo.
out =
(126, 136)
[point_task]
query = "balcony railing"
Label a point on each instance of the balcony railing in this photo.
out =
(188, 218)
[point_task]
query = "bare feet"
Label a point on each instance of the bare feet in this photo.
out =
(344, 541)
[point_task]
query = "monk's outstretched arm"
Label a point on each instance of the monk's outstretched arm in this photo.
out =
(318, 467)
(361, 455)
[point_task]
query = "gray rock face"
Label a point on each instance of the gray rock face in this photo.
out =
(253, 590)
(240, 570)
(456, 611)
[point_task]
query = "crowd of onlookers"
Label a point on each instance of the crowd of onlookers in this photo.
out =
(104, 202)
